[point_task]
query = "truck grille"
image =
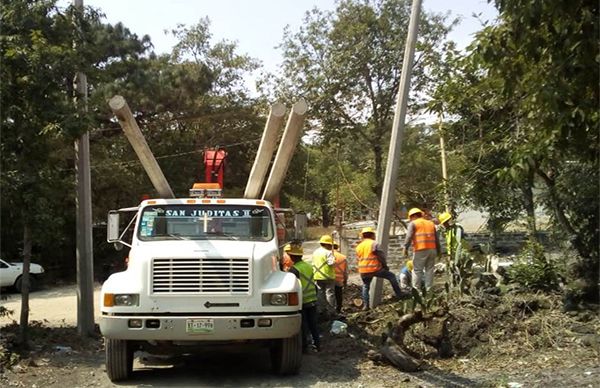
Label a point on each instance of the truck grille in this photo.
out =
(200, 275)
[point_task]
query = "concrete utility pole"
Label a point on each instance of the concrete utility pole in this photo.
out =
(265, 151)
(289, 141)
(391, 172)
(84, 252)
(138, 142)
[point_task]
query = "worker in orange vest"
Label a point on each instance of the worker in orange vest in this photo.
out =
(341, 276)
(422, 234)
(372, 263)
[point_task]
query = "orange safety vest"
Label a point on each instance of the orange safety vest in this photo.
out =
(287, 262)
(340, 267)
(424, 236)
(367, 258)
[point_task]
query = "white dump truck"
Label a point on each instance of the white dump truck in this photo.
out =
(201, 272)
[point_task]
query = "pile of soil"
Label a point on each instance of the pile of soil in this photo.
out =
(491, 334)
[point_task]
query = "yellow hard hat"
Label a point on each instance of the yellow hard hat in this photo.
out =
(293, 249)
(326, 239)
(414, 211)
(368, 229)
(409, 265)
(444, 217)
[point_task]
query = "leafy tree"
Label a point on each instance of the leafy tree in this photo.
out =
(347, 65)
(42, 48)
(540, 63)
(184, 103)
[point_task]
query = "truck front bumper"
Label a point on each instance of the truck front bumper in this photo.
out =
(221, 328)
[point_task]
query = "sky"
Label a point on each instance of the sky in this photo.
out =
(256, 25)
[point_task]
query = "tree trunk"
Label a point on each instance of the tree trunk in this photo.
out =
(583, 250)
(527, 188)
(587, 267)
(495, 227)
(24, 319)
(325, 209)
(378, 169)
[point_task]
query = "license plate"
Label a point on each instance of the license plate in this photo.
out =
(200, 326)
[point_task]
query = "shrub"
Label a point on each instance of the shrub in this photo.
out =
(533, 270)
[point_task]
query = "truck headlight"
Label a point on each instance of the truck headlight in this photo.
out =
(280, 299)
(111, 300)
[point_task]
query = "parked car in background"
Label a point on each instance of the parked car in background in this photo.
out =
(10, 275)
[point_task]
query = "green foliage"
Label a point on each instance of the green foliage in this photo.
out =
(422, 300)
(183, 102)
(525, 101)
(533, 270)
(346, 64)
(4, 312)
(459, 270)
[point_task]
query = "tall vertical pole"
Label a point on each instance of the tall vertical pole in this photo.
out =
(444, 171)
(391, 172)
(85, 258)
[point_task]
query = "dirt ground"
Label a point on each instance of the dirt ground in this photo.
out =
(523, 342)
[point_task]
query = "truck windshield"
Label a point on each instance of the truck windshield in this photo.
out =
(205, 222)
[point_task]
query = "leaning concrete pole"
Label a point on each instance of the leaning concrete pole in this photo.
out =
(138, 142)
(84, 250)
(391, 172)
(265, 151)
(291, 137)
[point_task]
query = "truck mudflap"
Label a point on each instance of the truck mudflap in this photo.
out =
(200, 328)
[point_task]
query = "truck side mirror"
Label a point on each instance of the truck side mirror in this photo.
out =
(112, 227)
(300, 222)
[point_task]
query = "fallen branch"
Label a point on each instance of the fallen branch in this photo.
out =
(398, 357)
(394, 349)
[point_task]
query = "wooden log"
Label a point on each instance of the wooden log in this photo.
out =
(398, 357)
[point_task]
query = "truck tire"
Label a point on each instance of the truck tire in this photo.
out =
(286, 355)
(119, 359)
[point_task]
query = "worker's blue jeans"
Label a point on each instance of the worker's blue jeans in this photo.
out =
(382, 273)
(309, 325)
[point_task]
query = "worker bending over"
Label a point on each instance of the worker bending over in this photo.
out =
(372, 263)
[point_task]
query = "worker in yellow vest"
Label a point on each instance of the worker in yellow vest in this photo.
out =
(372, 263)
(323, 266)
(423, 236)
(455, 233)
(304, 273)
(341, 277)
